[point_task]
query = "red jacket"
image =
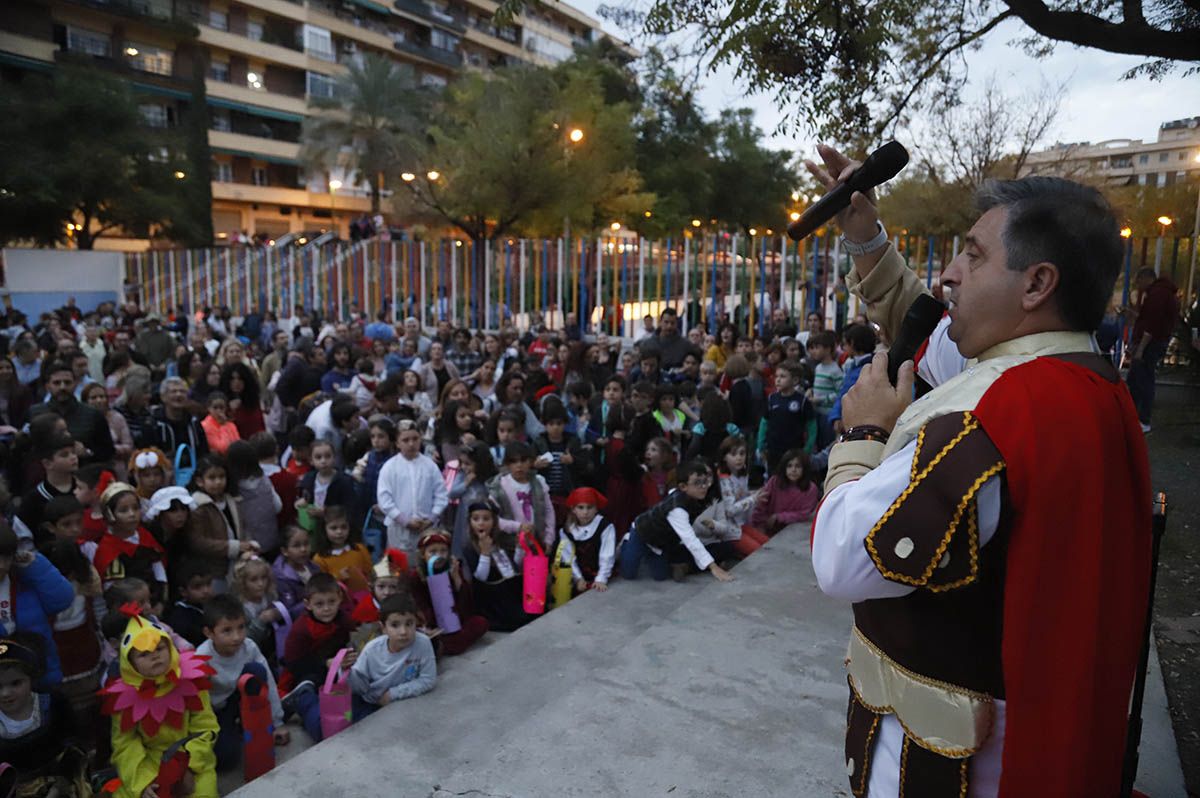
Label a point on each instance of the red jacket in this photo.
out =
(1158, 312)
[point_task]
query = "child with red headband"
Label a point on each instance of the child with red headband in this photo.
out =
(591, 538)
(433, 548)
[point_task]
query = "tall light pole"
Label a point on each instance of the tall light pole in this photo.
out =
(1195, 244)
(1164, 222)
(575, 136)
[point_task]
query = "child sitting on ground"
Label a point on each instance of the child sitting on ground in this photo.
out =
(729, 518)
(160, 698)
(315, 639)
(39, 733)
(434, 548)
(495, 560)
(293, 568)
(789, 497)
(592, 539)
(388, 578)
(194, 582)
(232, 654)
(341, 554)
(254, 585)
(397, 665)
(664, 536)
(127, 548)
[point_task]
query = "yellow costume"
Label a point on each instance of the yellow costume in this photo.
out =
(149, 714)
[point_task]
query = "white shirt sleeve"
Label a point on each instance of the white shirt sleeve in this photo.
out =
(942, 360)
(840, 559)
(387, 496)
(440, 496)
(608, 554)
(678, 519)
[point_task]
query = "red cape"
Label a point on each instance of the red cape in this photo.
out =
(1078, 572)
(109, 547)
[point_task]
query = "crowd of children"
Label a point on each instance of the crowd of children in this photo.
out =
(292, 516)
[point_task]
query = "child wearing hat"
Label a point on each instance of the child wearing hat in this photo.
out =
(148, 471)
(40, 737)
(591, 539)
(433, 549)
(126, 549)
(160, 699)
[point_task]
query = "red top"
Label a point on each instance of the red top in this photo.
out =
(1077, 577)
(1158, 312)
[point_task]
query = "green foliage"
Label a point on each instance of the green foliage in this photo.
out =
(1140, 206)
(753, 184)
(500, 145)
(854, 70)
(76, 150)
(369, 126)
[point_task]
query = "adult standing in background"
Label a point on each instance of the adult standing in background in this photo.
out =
(1157, 315)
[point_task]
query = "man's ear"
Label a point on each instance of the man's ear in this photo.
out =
(1039, 283)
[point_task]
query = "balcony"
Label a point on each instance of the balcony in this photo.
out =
(240, 94)
(438, 56)
(286, 152)
(271, 53)
(425, 12)
(294, 197)
(171, 15)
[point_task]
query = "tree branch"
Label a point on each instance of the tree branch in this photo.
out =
(935, 65)
(1132, 12)
(1088, 30)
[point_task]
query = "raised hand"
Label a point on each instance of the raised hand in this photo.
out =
(859, 220)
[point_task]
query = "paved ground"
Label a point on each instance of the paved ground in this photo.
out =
(695, 689)
(1175, 463)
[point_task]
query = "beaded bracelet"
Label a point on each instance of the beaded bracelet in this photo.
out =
(865, 432)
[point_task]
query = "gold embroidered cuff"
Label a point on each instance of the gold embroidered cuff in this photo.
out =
(941, 717)
(851, 460)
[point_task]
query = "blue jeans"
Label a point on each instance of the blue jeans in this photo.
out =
(1141, 379)
(228, 747)
(634, 550)
(360, 708)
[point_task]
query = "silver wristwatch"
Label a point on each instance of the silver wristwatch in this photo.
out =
(878, 242)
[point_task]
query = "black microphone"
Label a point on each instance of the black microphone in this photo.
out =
(880, 167)
(920, 321)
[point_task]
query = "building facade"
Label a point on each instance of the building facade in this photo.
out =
(1169, 159)
(256, 64)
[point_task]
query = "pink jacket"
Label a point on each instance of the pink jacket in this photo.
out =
(788, 503)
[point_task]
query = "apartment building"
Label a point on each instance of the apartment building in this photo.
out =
(256, 64)
(1173, 157)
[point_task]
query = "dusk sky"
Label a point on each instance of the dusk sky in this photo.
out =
(1097, 104)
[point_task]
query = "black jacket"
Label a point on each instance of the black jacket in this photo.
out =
(86, 425)
(170, 435)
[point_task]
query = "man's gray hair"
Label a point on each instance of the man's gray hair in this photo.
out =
(1052, 220)
(169, 382)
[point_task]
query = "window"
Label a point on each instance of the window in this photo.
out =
(443, 41)
(154, 115)
(254, 31)
(1162, 179)
(1143, 159)
(319, 43)
(1162, 157)
(433, 81)
(219, 71)
(222, 171)
(319, 85)
(82, 40)
(258, 176)
(1183, 156)
(1141, 180)
(440, 11)
(148, 58)
(218, 19)
(220, 120)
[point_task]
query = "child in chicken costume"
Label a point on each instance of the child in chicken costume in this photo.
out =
(160, 700)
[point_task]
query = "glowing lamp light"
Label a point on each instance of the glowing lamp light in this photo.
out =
(131, 51)
(334, 185)
(458, 243)
(1165, 221)
(408, 177)
(753, 231)
(576, 135)
(1126, 232)
(794, 216)
(180, 175)
(795, 196)
(433, 175)
(695, 222)
(647, 214)
(300, 241)
(615, 226)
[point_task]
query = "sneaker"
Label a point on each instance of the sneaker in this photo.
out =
(1145, 427)
(291, 701)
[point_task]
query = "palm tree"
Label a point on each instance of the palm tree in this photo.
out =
(369, 124)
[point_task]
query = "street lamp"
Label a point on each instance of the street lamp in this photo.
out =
(695, 223)
(433, 175)
(408, 177)
(1165, 221)
(576, 135)
(615, 226)
(1126, 232)
(180, 175)
(794, 216)
(1195, 240)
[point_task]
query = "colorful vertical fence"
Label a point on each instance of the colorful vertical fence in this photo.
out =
(608, 283)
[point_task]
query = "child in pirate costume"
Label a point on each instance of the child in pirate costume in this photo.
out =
(592, 539)
(993, 537)
(127, 548)
(160, 699)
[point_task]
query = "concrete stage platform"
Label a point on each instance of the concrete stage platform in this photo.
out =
(698, 689)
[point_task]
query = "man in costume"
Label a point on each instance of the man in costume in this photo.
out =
(994, 535)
